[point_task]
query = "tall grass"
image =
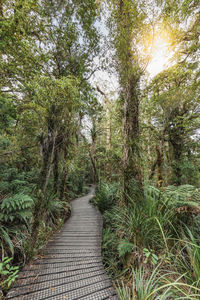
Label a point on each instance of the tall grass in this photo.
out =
(158, 232)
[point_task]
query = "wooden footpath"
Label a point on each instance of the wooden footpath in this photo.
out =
(71, 267)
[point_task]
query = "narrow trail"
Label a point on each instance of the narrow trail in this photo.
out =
(72, 265)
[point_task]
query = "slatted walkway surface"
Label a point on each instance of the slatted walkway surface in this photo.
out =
(71, 267)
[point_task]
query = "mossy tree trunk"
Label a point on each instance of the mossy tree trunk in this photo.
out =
(127, 22)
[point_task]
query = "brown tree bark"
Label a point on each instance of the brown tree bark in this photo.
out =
(131, 155)
(153, 169)
(56, 169)
(63, 186)
(93, 161)
(176, 140)
(39, 206)
(93, 152)
(160, 165)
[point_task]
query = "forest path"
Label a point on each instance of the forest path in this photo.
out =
(72, 266)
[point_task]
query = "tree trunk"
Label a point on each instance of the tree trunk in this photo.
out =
(160, 165)
(64, 177)
(39, 207)
(49, 166)
(131, 153)
(56, 170)
(153, 169)
(46, 152)
(94, 169)
(129, 79)
(175, 137)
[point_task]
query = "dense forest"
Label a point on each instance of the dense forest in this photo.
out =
(103, 92)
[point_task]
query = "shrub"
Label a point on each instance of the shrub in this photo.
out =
(107, 196)
(149, 229)
(55, 209)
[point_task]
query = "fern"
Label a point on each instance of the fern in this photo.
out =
(18, 185)
(4, 187)
(106, 196)
(125, 247)
(183, 195)
(6, 241)
(55, 208)
(17, 207)
(9, 174)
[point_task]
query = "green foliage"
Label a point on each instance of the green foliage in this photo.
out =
(4, 187)
(110, 242)
(125, 247)
(106, 196)
(150, 232)
(8, 174)
(158, 284)
(188, 260)
(189, 172)
(7, 112)
(150, 256)
(55, 209)
(54, 132)
(17, 208)
(14, 182)
(8, 273)
(15, 186)
(4, 142)
(182, 195)
(76, 183)
(143, 287)
(6, 240)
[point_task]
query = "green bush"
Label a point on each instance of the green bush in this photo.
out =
(106, 196)
(150, 230)
(13, 182)
(55, 209)
(110, 242)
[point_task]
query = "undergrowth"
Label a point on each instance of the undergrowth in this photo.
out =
(151, 247)
(19, 194)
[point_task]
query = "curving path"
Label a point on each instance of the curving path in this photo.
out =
(71, 267)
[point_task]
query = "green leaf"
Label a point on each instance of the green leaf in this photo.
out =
(125, 247)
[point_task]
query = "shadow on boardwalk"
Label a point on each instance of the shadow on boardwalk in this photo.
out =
(72, 266)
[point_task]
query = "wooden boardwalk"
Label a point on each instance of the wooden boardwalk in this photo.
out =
(72, 266)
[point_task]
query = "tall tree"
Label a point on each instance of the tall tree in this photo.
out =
(45, 69)
(128, 24)
(174, 108)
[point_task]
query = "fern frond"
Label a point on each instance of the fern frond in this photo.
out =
(17, 207)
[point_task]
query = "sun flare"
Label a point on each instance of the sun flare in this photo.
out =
(160, 53)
